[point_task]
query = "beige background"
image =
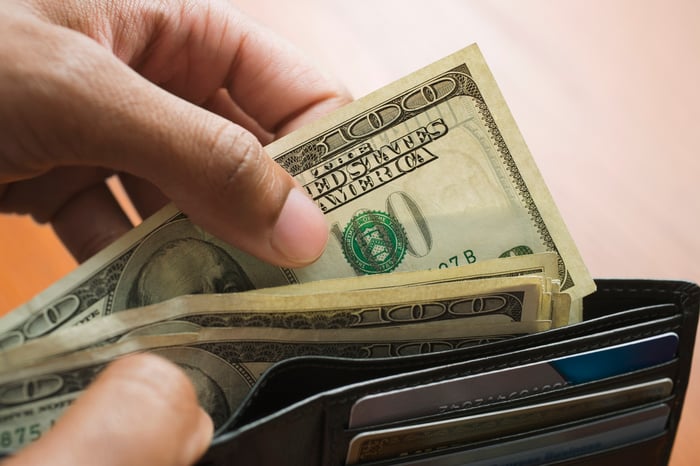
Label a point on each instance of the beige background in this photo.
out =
(605, 92)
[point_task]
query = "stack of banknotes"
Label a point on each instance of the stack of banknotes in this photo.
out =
(443, 235)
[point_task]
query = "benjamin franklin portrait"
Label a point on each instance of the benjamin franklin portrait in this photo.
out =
(186, 266)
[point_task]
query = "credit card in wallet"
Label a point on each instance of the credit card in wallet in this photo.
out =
(485, 388)
(560, 445)
(409, 440)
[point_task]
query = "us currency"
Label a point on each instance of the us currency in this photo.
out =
(429, 172)
(223, 364)
(541, 264)
(329, 302)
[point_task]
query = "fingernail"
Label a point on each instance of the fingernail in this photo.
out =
(300, 233)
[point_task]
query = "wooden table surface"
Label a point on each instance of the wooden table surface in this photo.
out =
(604, 91)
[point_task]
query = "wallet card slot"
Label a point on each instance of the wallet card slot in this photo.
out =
(565, 443)
(336, 417)
(666, 370)
(650, 451)
(487, 387)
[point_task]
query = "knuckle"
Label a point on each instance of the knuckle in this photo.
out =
(243, 157)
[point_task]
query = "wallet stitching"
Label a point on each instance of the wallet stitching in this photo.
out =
(684, 294)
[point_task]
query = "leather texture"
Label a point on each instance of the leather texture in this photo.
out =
(297, 413)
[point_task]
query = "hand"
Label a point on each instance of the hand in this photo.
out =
(141, 410)
(177, 98)
(177, 94)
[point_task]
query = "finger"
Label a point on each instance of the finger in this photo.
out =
(90, 221)
(146, 198)
(214, 170)
(76, 202)
(222, 104)
(141, 410)
(213, 45)
(276, 85)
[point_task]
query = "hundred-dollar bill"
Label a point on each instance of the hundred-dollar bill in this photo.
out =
(429, 172)
(223, 364)
(409, 297)
(540, 264)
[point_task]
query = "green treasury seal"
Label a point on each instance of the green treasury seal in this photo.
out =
(374, 242)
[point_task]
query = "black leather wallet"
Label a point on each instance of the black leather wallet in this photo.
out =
(298, 412)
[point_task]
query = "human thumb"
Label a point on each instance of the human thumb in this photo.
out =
(141, 410)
